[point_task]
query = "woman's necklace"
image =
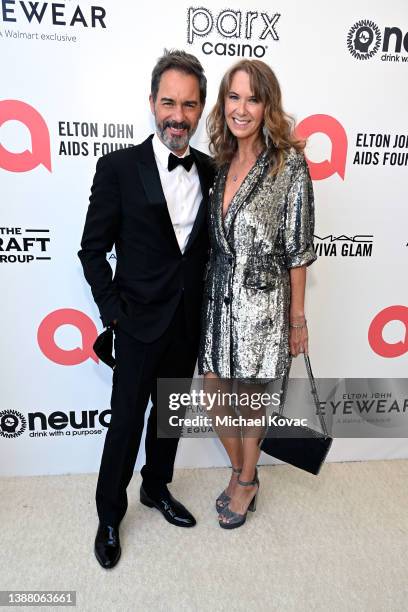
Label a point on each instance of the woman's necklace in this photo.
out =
(244, 168)
(241, 170)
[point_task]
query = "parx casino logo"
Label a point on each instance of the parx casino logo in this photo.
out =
(363, 40)
(223, 30)
(12, 424)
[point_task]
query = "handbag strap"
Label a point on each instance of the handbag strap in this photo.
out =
(284, 388)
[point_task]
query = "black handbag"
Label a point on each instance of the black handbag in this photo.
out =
(103, 347)
(301, 446)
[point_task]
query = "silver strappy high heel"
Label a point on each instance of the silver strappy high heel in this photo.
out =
(223, 499)
(234, 518)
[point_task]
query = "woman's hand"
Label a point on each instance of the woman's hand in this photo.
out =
(298, 336)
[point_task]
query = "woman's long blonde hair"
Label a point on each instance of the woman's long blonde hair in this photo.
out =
(279, 125)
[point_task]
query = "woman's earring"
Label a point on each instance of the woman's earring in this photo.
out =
(265, 132)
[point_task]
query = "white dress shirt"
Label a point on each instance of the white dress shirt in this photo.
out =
(182, 191)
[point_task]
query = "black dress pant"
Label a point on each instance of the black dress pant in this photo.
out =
(138, 365)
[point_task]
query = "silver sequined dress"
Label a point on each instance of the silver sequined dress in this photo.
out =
(267, 230)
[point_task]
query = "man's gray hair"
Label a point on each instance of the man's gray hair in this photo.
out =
(175, 59)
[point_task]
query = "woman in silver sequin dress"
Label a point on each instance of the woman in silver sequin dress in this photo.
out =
(261, 232)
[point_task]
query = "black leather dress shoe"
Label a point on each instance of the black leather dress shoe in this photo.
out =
(107, 546)
(174, 512)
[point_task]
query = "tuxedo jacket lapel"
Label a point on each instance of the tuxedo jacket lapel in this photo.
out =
(150, 179)
(205, 184)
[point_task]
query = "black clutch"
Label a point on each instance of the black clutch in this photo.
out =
(103, 347)
(298, 445)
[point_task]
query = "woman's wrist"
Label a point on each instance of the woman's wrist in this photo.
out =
(297, 316)
(297, 321)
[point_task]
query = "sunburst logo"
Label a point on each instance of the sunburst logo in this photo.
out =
(364, 39)
(12, 423)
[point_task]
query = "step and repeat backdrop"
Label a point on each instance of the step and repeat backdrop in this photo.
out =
(75, 84)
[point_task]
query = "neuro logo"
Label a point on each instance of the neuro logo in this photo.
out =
(12, 424)
(40, 154)
(67, 357)
(375, 332)
(328, 125)
(363, 39)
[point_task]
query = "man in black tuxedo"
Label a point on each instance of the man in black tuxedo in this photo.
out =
(150, 202)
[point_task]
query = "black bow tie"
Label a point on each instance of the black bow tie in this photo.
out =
(175, 161)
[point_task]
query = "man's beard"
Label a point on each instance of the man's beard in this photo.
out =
(172, 141)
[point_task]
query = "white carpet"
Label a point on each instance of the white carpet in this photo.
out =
(336, 542)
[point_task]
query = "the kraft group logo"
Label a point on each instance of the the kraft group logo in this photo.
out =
(375, 332)
(67, 357)
(40, 154)
(252, 28)
(365, 37)
(12, 423)
(18, 245)
(330, 126)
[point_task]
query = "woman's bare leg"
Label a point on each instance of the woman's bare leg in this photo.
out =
(251, 436)
(230, 437)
